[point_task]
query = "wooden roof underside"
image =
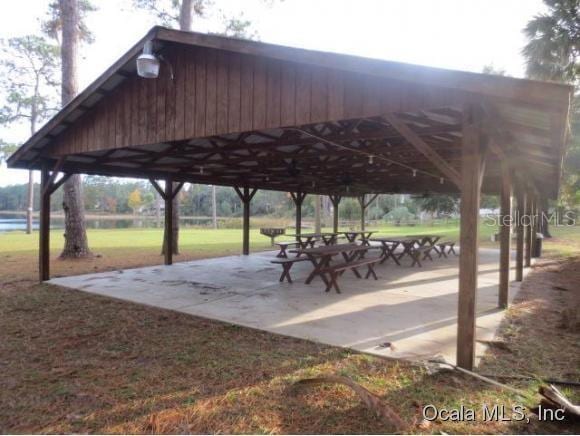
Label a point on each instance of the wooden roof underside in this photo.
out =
(242, 113)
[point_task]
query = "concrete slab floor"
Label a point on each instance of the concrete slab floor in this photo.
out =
(414, 309)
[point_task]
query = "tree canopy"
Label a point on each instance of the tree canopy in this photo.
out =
(552, 53)
(30, 64)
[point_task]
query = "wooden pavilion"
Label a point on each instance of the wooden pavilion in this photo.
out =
(254, 116)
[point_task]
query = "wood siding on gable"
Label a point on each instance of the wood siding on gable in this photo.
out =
(216, 92)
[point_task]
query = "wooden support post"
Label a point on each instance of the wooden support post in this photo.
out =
(246, 196)
(520, 235)
(44, 234)
(504, 237)
(363, 207)
(335, 199)
(298, 217)
(246, 227)
(298, 198)
(535, 224)
(48, 184)
(471, 167)
(532, 227)
(528, 231)
(168, 197)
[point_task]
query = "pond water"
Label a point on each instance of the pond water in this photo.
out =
(9, 222)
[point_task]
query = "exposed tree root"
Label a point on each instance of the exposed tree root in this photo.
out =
(372, 401)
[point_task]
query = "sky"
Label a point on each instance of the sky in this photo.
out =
(456, 34)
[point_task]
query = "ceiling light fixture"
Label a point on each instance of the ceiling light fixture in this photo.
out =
(148, 63)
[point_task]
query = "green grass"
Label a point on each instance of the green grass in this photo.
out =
(190, 239)
(200, 240)
(564, 243)
(137, 247)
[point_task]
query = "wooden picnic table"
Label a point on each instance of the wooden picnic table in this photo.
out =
(321, 257)
(307, 240)
(364, 236)
(423, 240)
(390, 243)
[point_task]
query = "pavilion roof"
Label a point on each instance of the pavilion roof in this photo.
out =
(248, 113)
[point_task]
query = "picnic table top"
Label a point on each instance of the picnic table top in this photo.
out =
(422, 236)
(313, 235)
(394, 239)
(358, 231)
(333, 249)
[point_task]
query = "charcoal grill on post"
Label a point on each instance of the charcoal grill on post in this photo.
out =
(272, 232)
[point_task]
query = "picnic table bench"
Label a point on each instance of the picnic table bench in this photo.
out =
(352, 235)
(423, 240)
(390, 243)
(416, 253)
(286, 266)
(413, 246)
(284, 246)
(352, 254)
(335, 271)
(449, 245)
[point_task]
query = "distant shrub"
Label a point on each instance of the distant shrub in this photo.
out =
(399, 215)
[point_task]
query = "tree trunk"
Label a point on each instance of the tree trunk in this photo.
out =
(33, 119)
(75, 234)
(214, 207)
(158, 209)
(184, 24)
(30, 202)
(543, 218)
(326, 209)
(317, 224)
(185, 15)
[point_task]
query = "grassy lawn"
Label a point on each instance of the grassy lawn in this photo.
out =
(75, 362)
(116, 248)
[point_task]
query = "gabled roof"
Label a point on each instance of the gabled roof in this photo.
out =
(528, 118)
(549, 96)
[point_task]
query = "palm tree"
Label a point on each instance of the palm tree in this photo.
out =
(553, 48)
(552, 53)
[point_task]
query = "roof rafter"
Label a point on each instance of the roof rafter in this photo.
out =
(423, 147)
